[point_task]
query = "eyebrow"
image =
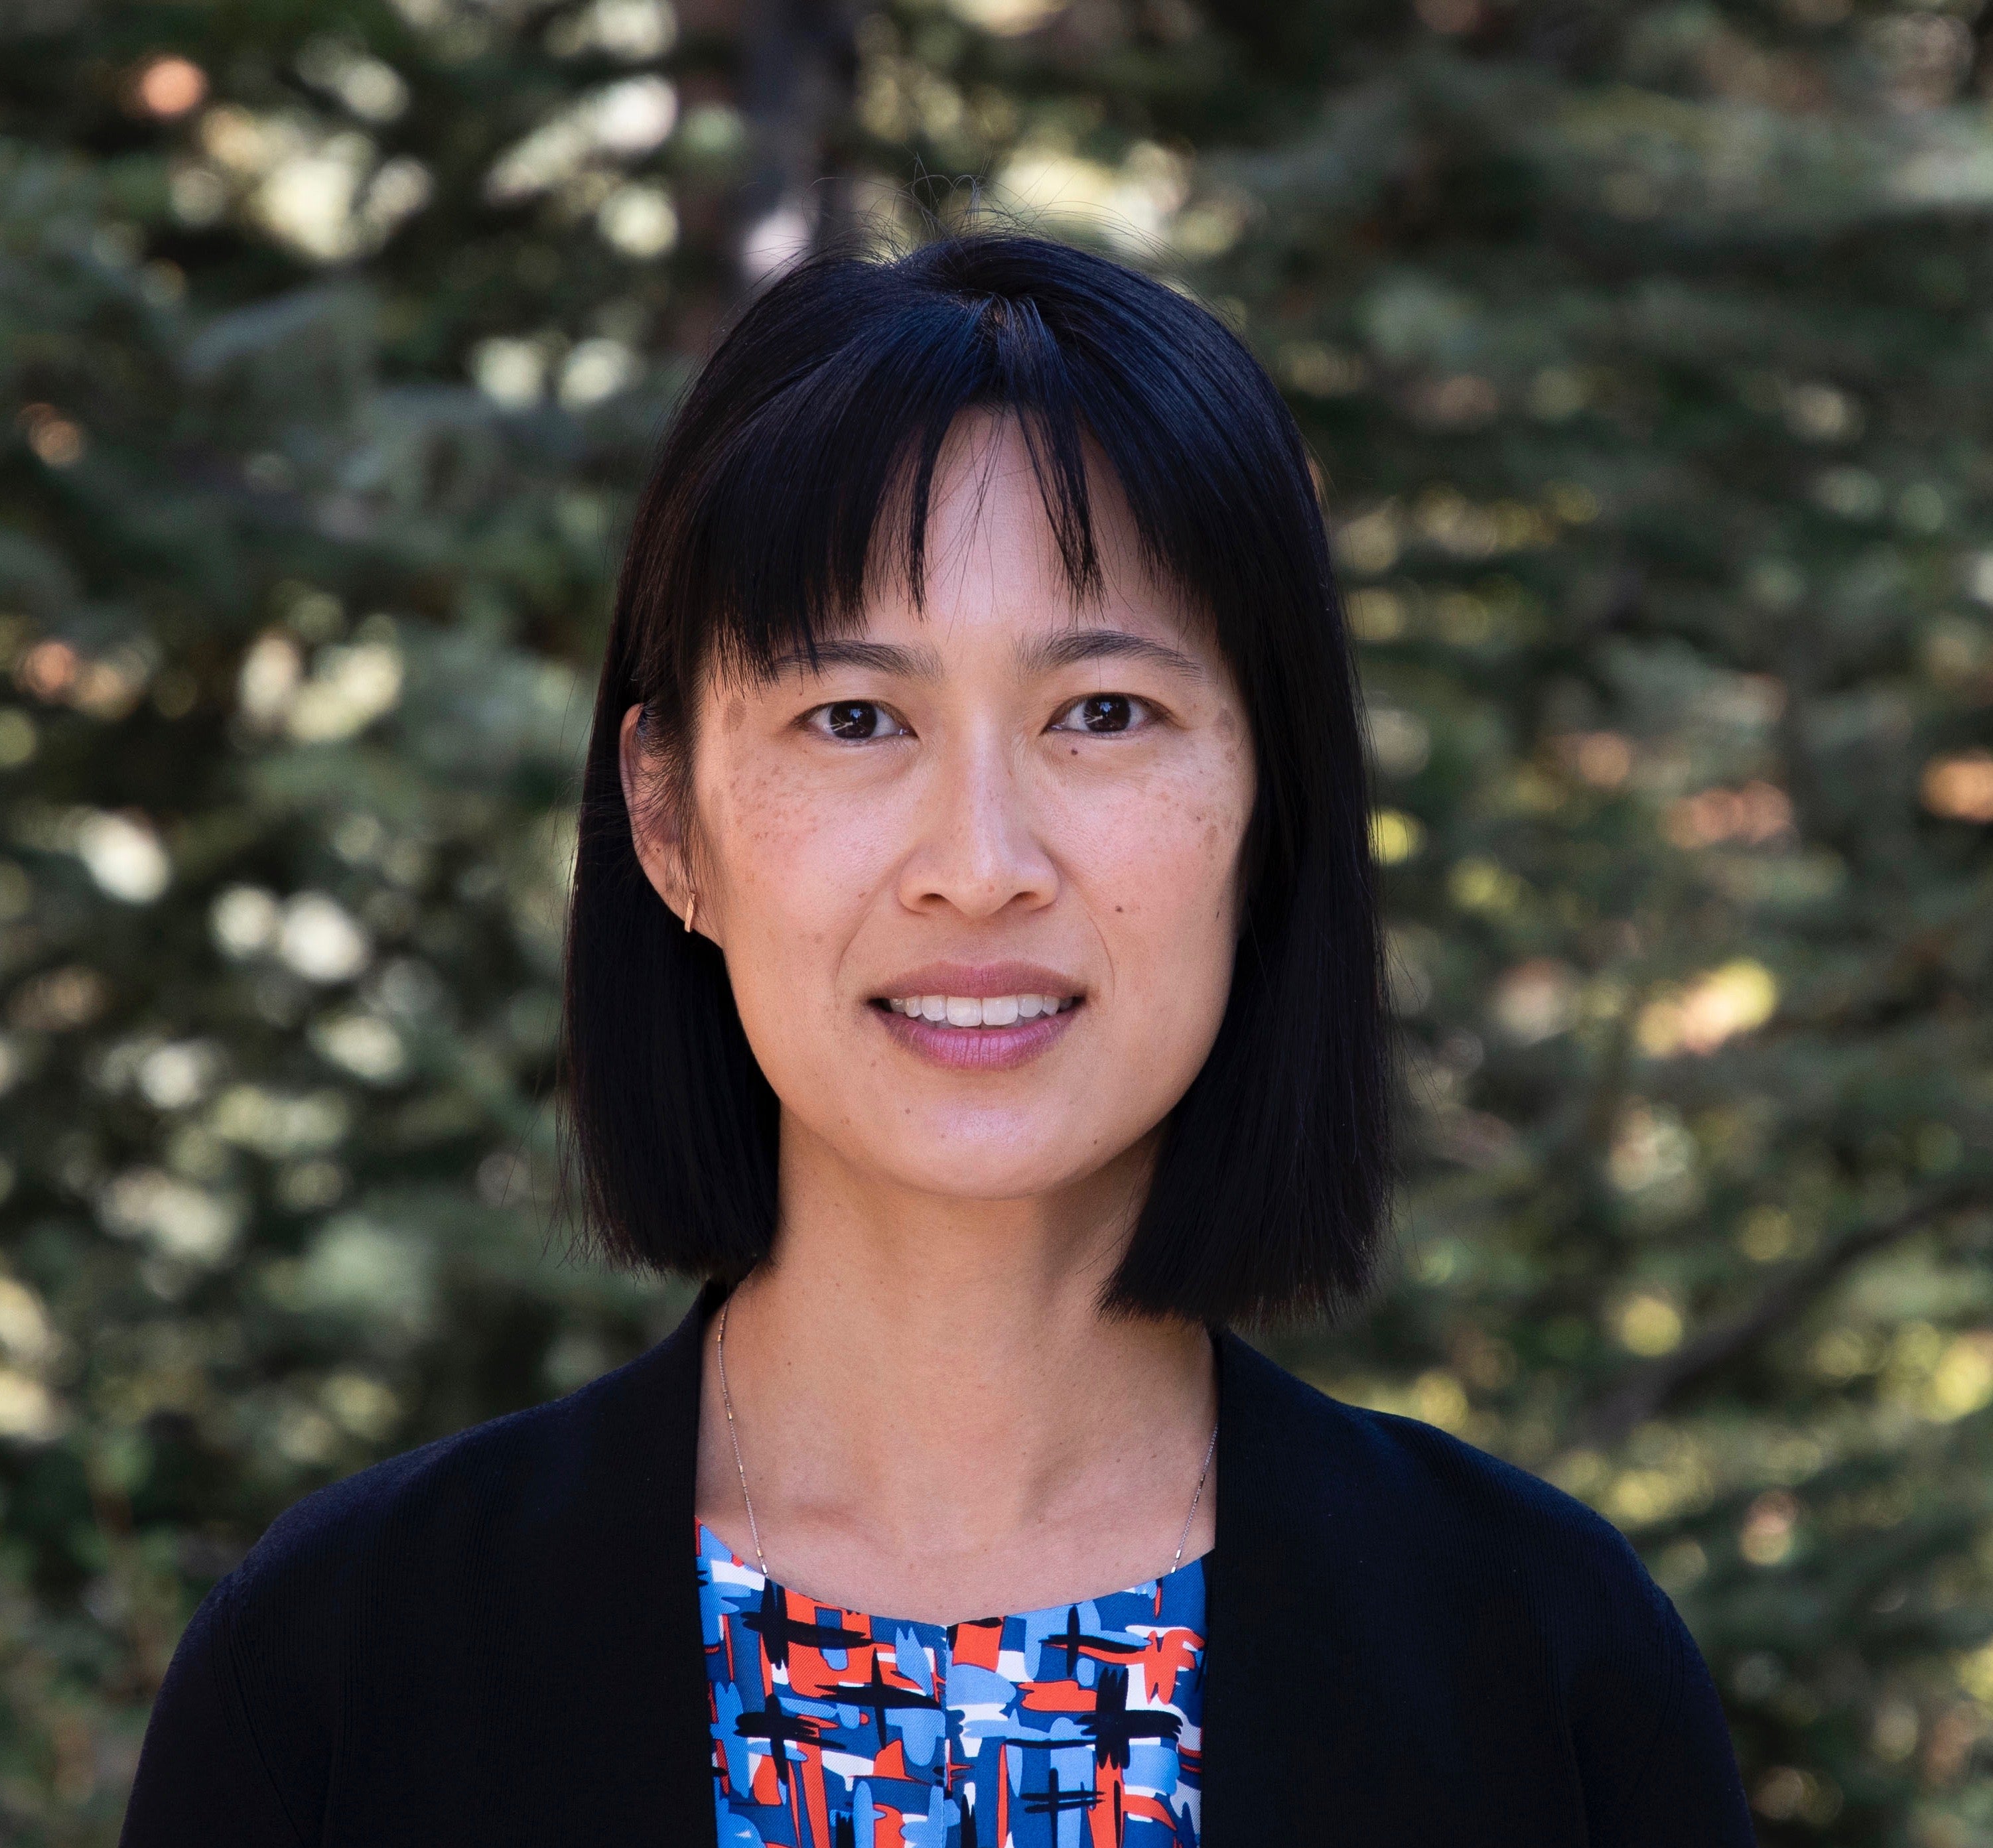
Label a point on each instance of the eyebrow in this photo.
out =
(1068, 649)
(1077, 645)
(880, 657)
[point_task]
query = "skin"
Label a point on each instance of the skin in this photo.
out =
(935, 1422)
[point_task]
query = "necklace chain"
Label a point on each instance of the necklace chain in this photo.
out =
(726, 1399)
(740, 1469)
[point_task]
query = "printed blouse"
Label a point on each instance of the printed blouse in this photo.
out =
(1074, 1727)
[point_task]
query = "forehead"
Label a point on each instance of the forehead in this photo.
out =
(993, 561)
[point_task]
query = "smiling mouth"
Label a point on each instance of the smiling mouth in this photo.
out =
(973, 1010)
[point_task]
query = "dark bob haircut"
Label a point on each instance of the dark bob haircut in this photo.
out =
(818, 415)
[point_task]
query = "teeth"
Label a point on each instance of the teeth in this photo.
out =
(969, 1010)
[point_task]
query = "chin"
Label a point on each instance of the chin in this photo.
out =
(968, 1174)
(988, 1157)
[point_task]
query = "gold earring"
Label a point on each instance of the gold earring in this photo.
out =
(692, 906)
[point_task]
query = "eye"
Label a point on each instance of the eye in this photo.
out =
(1103, 713)
(856, 721)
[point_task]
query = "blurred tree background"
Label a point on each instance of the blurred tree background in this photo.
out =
(1648, 354)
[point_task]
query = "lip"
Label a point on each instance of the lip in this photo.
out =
(977, 1048)
(980, 980)
(980, 1048)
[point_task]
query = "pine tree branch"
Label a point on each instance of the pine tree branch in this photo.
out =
(1660, 1385)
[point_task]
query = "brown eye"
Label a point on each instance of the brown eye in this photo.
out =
(1102, 714)
(857, 721)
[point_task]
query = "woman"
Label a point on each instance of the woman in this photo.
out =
(973, 974)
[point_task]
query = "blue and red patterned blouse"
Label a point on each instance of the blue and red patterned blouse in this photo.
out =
(1075, 1726)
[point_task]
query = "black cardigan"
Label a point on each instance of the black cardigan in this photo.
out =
(495, 1639)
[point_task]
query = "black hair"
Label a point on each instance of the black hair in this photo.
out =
(818, 414)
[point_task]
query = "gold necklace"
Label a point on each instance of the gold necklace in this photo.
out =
(740, 1469)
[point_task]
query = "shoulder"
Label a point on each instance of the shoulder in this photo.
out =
(512, 1492)
(1470, 1585)
(426, 1596)
(333, 1537)
(1423, 1506)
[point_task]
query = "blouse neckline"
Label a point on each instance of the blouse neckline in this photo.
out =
(707, 1541)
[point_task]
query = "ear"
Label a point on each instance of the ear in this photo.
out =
(654, 829)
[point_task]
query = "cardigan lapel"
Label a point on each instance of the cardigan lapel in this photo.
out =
(1248, 1750)
(1328, 1664)
(685, 1740)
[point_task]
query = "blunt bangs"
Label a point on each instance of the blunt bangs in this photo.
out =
(799, 468)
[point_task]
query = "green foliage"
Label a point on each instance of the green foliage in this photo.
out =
(1646, 356)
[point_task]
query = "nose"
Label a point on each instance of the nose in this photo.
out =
(979, 850)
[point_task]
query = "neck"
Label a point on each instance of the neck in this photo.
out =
(916, 1377)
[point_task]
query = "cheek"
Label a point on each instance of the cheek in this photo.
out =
(789, 897)
(794, 867)
(1161, 867)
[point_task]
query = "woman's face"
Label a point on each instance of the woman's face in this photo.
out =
(976, 875)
